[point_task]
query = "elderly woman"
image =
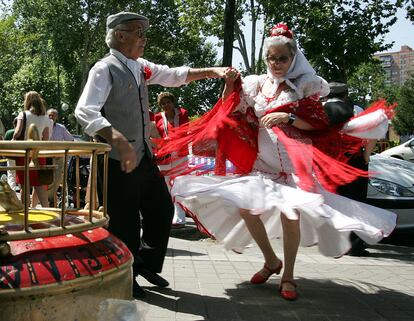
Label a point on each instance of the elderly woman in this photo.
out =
(273, 128)
(170, 117)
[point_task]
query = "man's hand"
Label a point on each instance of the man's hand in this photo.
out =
(369, 149)
(230, 75)
(127, 155)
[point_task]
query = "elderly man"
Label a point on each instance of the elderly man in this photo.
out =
(114, 107)
(59, 133)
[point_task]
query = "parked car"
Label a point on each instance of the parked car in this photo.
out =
(404, 151)
(391, 186)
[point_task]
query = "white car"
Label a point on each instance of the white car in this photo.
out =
(391, 186)
(404, 151)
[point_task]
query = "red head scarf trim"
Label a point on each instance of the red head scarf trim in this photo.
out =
(281, 29)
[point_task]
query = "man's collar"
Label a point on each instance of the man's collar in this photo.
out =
(121, 56)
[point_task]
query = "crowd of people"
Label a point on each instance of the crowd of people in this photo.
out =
(290, 181)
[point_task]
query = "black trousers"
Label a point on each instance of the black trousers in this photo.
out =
(143, 191)
(356, 190)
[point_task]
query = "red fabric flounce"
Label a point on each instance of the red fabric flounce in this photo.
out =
(213, 135)
(228, 135)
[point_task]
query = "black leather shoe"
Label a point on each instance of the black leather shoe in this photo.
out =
(358, 252)
(137, 291)
(153, 278)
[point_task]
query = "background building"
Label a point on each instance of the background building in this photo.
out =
(398, 65)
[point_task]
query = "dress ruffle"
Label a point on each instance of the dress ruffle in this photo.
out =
(326, 219)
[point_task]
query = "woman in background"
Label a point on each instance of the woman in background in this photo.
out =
(34, 112)
(170, 117)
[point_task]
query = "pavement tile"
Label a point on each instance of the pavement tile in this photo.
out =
(210, 284)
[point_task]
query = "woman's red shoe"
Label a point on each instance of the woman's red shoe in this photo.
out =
(290, 295)
(258, 278)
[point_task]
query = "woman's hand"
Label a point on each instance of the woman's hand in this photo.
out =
(212, 72)
(274, 119)
(230, 75)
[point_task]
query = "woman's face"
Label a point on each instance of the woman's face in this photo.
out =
(279, 59)
(167, 105)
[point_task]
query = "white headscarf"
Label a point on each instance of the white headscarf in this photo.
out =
(299, 67)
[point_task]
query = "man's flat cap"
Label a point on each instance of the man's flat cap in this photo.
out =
(123, 17)
(338, 88)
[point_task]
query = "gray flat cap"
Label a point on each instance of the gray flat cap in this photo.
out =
(337, 88)
(123, 17)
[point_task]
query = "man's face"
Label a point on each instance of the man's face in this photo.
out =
(53, 116)
(133, 39)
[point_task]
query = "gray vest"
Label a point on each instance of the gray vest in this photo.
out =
(126, 107)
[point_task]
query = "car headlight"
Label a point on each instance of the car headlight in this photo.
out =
(390, 188)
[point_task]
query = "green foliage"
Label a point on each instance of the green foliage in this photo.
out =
(49, 46)
(13, 51)
(367, 82)
(209, 22)
(34, 74)
(201, 17)
(409, 7)
(171, 44)
(338, 35)
(388, 92)
(404, 119)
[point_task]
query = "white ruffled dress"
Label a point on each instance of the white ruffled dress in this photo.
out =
(326, 219)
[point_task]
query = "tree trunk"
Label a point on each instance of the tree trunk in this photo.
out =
(229, 13)
(253, 38)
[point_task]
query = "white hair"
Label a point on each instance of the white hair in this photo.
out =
(278, 41)
(110, 38)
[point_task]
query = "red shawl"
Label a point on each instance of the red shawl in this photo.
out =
(228, 135)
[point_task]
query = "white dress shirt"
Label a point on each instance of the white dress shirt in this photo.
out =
(98, 87)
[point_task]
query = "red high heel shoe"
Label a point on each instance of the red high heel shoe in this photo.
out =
(290, 295)
(260, 279)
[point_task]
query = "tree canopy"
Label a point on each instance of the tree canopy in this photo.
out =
(336, 35)
(404, 119)
(367, 83)
(58, 41)
(49, 46)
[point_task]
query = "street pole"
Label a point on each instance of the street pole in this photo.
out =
(59, 105)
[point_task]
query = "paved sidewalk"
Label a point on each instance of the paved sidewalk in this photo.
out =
(210, 284)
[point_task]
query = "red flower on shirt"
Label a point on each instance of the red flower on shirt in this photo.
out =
(147, 73)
